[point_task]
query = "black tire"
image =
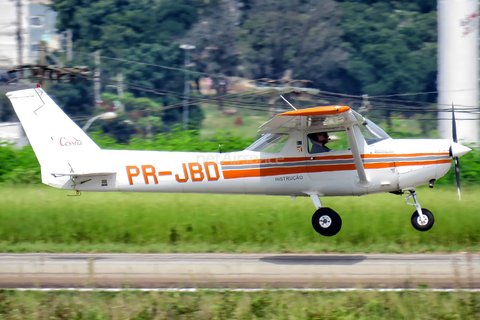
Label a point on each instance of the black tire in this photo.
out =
(326, 222)
(416, 224)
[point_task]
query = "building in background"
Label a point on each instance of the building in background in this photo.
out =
(9, 24)
(42, 28)
(36, 21)
(13, 132)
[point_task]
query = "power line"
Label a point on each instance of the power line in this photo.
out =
(153, 65)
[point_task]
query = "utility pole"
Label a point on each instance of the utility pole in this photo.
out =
(121, 108)
(120, 84)
(19, 36)
(186, 90)
(68, 38)
(96, 78)
(42, 61)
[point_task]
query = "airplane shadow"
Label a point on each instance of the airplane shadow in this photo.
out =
(314, 260)
(75, 258)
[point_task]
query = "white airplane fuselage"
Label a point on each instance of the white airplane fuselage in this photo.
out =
(391, 165)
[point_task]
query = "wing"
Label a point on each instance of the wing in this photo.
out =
(329, 118)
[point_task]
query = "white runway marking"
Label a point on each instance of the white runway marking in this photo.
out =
(240, 289)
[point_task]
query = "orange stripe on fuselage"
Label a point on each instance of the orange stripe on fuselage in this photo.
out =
(265, 172)
(261, 172)
(404, 155)
(323, 157)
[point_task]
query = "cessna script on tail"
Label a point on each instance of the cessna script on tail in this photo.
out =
(287, 160)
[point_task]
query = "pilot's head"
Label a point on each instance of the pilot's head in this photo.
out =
(322, 137)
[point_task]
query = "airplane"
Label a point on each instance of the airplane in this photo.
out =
(363, 160)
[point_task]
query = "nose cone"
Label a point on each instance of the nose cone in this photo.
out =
(458, 150)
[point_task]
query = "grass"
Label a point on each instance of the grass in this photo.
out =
(43, 219)
(239, 305)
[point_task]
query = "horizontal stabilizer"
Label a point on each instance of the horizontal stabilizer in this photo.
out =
(90, 174)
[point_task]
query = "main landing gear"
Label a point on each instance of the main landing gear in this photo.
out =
(325, 221)
(328, 223)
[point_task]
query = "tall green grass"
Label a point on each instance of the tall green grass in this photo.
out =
(239, 305)
(39, 218)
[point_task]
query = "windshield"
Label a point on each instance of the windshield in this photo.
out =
(372, 132)
(270, 142)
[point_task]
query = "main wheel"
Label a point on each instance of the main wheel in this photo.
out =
(326, 222)
(425, 225)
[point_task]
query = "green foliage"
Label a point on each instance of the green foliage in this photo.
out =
(18, 166)
(374, 47)
(178, 140)
(141, 31)
(112, 25)
(75, 98)
(297, 37)
(393, 47)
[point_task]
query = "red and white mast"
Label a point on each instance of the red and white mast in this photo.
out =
(458, 68)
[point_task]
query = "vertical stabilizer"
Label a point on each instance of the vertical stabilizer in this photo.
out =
(56, 140)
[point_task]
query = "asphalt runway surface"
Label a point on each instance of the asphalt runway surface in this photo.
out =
(259, 270)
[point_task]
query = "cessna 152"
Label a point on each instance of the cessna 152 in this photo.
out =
(365, 160)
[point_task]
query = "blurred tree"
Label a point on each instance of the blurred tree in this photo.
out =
(268, 38)
(6, 110)
(214, 36)
(298, 35)
(393, 48)
(75, 98)
(140, 30)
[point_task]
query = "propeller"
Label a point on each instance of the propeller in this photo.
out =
(455, 159)
(456, 151)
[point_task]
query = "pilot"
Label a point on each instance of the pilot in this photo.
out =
(319, 139)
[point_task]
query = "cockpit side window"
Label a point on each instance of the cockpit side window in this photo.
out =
(270, 142)
(337, 141)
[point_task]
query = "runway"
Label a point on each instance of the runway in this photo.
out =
(218, 270)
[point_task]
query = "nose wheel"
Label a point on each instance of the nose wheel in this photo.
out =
(422, 219)
(326, 222)
(424, 222)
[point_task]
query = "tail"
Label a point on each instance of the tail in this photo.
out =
(58, 142)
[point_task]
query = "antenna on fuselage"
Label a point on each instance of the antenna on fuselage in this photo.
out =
(291, 105)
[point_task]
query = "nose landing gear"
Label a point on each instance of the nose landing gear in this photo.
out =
(422, 219)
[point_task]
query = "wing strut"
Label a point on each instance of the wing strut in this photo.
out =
(363, 180)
